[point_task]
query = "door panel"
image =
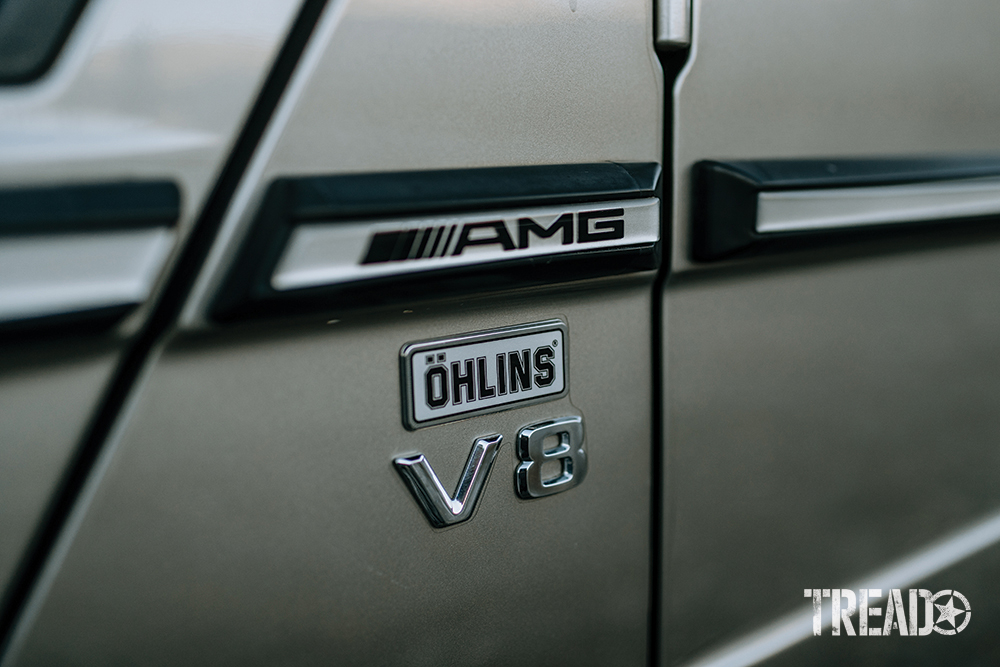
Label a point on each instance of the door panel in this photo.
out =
(251, 506)
(47, 398)
(247, 509)
(831, 408)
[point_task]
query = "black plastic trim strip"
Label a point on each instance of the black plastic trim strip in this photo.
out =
(246, 291)
(80, 323)
(32, 33)
(89, 208)
(361, 196)
(161, 319)
(660, 519)
(724, 218)
(82, 209)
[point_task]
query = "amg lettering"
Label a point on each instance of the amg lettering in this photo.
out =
(526, 225)
(436, 242)
(500, 236)
(604, 229)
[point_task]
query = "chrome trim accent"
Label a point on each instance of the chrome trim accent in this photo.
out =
(441, 509)
(673, 24)
(337, 252)
(413, 419)
(63, 273)
(569, 453)
(833, 208)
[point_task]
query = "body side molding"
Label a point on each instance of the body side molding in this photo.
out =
(748, 207)
(424, 215)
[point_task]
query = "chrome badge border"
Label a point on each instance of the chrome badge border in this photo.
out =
(483, 336)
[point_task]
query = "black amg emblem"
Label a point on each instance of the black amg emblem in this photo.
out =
(441, 241)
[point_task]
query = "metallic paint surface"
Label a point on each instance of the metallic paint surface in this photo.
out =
(246, 510)
(143, 89)
(827, 413)
(250, 513)
(47, 393)
(833, 78)
(976, 645)
(391, 85)
(824, 420)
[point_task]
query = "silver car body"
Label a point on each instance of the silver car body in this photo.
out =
(210, 478)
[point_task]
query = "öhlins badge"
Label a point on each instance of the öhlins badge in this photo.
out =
(485, 371)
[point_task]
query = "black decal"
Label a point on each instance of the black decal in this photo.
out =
(436, 392)
(604, 230)
(389, 246)
(502, 374)
(485, 390)
(423, 242)
(447, 241)
(520, 371)
(458, 381)
(437, 239)
(501, 236)
(543, 364)
(525, 225)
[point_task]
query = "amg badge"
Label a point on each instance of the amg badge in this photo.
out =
(481, 372)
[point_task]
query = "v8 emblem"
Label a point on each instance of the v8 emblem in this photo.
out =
(444, 510)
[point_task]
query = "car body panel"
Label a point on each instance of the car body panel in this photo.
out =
(248, 490)
(828, 412)
(270, 514)
(143, 91)
(820, 414)
(47, 396)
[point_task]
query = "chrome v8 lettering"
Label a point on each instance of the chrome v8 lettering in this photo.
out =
(485, 371)
(443, 510)
(440, 508)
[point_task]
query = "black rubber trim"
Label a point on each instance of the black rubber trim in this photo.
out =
(725, 198)
(360, 196)
(76, 324)
(82, 209)
(660, 520)
(89, 208)
(246, 291)
(32, 33)
(161, 319)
